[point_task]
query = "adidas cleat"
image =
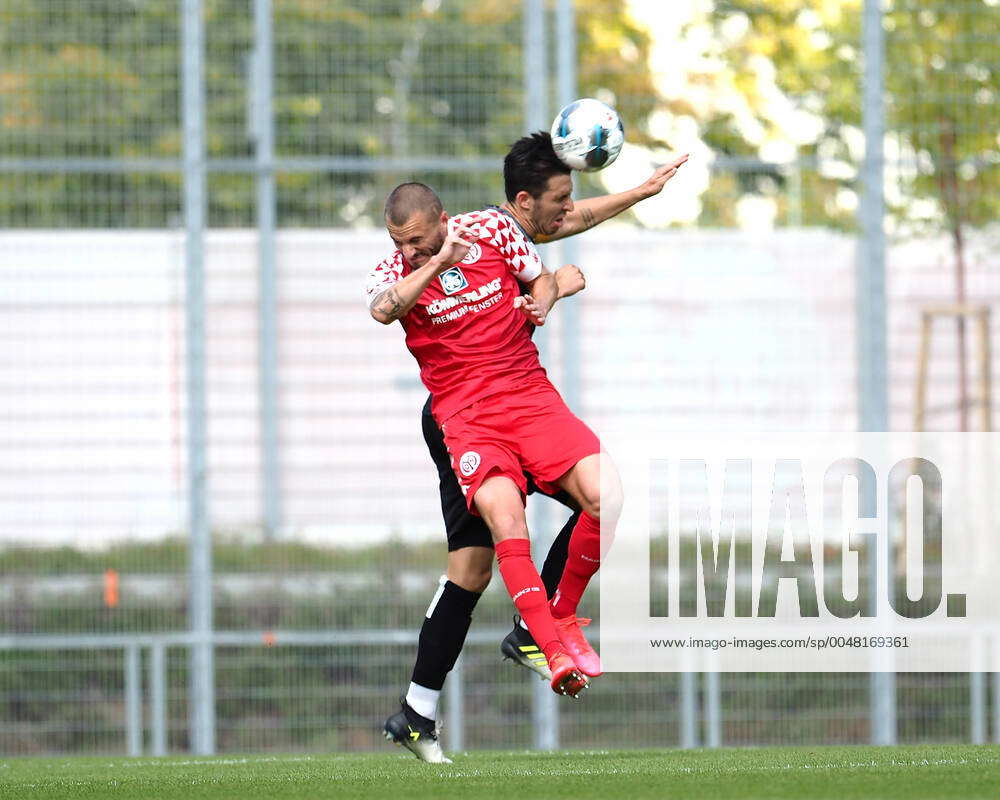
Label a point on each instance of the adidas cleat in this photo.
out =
(577, 645)
(566, 678)
(417, 734)
(519, 646)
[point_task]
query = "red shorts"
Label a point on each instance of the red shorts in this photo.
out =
(530, 430)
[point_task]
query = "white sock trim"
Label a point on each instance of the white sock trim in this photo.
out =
(423, 700)
(437, 596)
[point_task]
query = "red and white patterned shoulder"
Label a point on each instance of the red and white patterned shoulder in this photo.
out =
(503, 233)
(383, 275)
(473, 218)
(393, 263)
(492, 219)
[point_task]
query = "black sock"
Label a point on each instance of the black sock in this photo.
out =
(555, 561)
(443, 634)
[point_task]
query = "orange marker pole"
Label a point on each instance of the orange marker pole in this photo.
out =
(111, 588)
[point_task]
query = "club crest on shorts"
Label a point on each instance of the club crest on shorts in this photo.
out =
(469, 462)
(452, 280)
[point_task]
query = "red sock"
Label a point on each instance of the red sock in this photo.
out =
(525, 587)
(582, 561)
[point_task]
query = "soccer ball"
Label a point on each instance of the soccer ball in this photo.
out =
(587, 135)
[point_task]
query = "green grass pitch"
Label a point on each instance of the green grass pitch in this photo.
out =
(809, 773)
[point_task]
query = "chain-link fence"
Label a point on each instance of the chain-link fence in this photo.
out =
(739, 313)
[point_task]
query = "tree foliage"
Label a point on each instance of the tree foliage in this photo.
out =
(942, 85)
(354, 79)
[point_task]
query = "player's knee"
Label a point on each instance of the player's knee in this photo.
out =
(612, 497)
(508, 526)
(472, 581)
(476, 580)
(471, 568)
(602, 502)
(591, 505)
(473, 576)
(591, 500)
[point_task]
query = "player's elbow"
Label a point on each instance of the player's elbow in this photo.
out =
(381, 316)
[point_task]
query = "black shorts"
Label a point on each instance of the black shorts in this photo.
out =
(463, 528)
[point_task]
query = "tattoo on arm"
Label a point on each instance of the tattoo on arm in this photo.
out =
(389, 303)
(588, 218)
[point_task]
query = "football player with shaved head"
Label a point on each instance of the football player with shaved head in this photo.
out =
(436, 285)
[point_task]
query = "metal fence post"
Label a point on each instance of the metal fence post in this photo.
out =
(568, 252)
(977, 692)
(133, 701)
(545, 712)
(996, 702)
(202, 693)
(544, 717)
(534, 42)
(977, 707)
(689, 709)
(569, 313)
(994, 660)
(158, 699)
(262, 126)
(873, 396)
(873, 408)
(713, 709)
(455, 688)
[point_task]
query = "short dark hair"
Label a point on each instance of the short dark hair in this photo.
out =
(529, 165)
(407, 199)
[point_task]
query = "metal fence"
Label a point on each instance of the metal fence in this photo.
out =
(322, 691)
(218, 524)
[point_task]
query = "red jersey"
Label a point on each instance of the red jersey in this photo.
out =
(464, 331)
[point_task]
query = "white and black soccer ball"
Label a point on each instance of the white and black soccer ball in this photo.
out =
(587, 135)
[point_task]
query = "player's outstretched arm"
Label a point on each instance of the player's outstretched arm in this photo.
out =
(396, 300)
(595, 210)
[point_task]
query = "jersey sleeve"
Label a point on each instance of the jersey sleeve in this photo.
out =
(517, 250)
(385, 274)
